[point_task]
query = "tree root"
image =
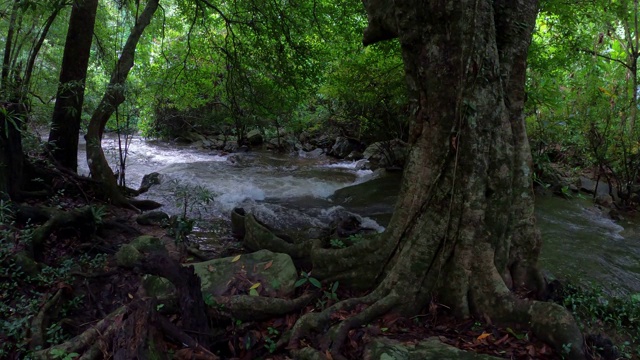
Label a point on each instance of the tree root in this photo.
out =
(104, 329)
(40, 323)
(347, 265)
(177, 334)
(80, 219)
(258, 308)
(332, 337)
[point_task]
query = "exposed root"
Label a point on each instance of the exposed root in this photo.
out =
(104, 329)
(80, 219)
(177, 334)
(550, 322)
(339, 333)
(258, 308)
(39, 323)
(356, 266)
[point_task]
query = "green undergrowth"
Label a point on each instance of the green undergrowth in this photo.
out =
(600, 314)
(25, 286)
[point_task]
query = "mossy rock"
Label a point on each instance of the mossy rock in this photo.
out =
(157, 286)
(148, 243)
(275, 272)
(431, 348)
(157, 218)
(127, 256)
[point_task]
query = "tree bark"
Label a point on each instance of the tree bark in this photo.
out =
(113, 97)
(12, 117)
(463, 231)
(67, 113)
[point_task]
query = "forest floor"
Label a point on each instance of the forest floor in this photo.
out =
(85, 271)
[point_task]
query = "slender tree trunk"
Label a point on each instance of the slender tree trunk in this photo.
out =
(113, 97)
(65, 124)
(5, 86)
(36, 49)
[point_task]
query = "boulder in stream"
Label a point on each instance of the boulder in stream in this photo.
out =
(150, 180)
(254, 137)
(386, 154)
(275, 272)
(342, 147)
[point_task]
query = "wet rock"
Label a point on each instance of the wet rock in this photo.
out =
(254, 137)
(341, 148)
(275, 272)
(315, 153)
(324, 142)
(604, 200)
(589, 186)
(354, 155)
(230, 146)
(150, 180)
(431, 348)
(615, 215)
(386, 154)
(157, 218)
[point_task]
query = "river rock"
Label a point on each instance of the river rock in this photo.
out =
(316, 153)
(157, 218)
(431, 348)
(254, 137)
(275, 272)
(149, 180)
(589, 186)
(324, 142)
(386, 154)
(341, 148)
(230, 146)
(604, 200)
(354, 155)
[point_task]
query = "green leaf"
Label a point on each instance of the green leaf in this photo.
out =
(300, 282)
(315, 282)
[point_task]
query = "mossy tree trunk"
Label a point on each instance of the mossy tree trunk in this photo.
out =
(113, 97)
(463, 232)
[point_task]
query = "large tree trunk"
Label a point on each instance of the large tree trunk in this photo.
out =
(113, 97)
(67, 113)
(464, 229)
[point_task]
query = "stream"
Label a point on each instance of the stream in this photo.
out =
(300, 191)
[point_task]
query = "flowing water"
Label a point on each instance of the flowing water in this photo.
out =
(297, 192)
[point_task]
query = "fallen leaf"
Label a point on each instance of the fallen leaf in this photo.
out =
(235, 258)
(328, 355)
(210, 268)
(483, 336)
(130, 296)
(255, 286)
(268, 265)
